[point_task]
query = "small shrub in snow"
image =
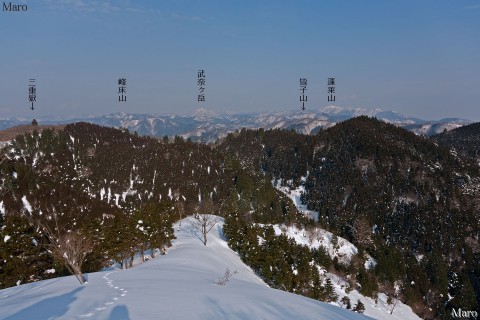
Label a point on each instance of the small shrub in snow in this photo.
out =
(226, 277)
(346, 302)
(335, 243)
(359, 307)
(348, 288)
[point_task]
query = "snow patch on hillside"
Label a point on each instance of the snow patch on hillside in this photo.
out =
(315, 238)
(295, 195)
(343, 250)
(26, 204)
(378, 309)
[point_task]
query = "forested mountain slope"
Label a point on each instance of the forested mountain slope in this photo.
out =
(464, 140)
(99, 182)
(409, 203)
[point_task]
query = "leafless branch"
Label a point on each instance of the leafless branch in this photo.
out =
(68, 247)
(226, 277)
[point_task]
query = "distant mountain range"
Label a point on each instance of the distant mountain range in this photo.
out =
(206, 125)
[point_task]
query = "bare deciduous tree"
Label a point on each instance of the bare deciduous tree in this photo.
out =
(392, 297)
(69, 248)
(313, 234)
(362, 232)
(180, 207)
(204, 224)
(204, 220)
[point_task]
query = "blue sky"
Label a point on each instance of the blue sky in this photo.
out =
(416, 57)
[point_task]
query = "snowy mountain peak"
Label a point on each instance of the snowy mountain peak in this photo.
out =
(207, 125)
(331, 110)
(205, 112)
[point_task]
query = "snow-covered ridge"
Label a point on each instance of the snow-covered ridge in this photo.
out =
(179, 285)
(208, 126)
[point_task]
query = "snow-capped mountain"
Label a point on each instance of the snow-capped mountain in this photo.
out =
(179, 285)
(205, 125)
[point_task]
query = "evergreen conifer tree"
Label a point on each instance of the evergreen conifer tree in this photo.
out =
(359, 307)
(346, 302)
(23, 256)
(329, 292)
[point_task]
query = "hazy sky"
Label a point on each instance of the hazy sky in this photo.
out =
(418, 57)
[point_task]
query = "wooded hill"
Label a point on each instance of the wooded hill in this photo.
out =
(464, 140)
(410, 204)
(101, 182)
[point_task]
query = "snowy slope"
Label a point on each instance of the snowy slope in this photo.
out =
(343, 251)
(180, 285)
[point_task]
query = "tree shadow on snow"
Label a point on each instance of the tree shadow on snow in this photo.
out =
(195, 232)
(218, 311)
(50, 308)
(119, 313)
(268, 308)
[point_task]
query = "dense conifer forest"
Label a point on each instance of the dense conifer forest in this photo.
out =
(410, 204)
(464, 140)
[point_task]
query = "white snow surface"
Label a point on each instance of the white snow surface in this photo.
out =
(379, 310)
(295, 195)
(323, 238)
(179, 285)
